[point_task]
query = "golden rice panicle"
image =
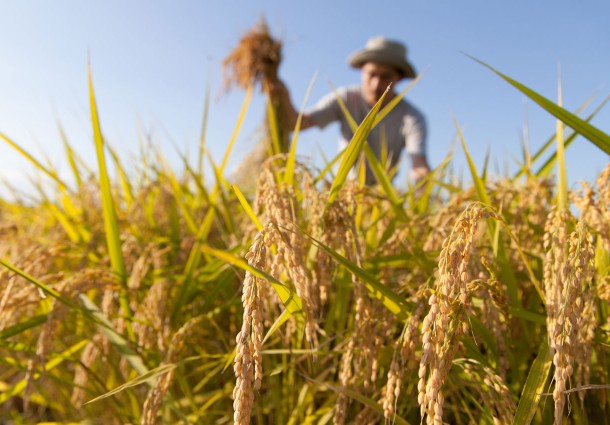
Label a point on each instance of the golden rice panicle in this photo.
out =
(19, 298)
(16, 299)
(346, 373)
(603, 187)
(338, 233)
(367, 416)
(596, 214)
(290, 247)
(352, 357)
(495, 313)
(151, 323)
(555, 265)
(568, 271)
(69, 288)
(248, 365)
(321, 269)
(162, 384)
(445, 323)
(587, 323)
(580, 303)
(333, 226)
(373, 323)
(379, 324)
(441, 223)
(526, 206)
(281, 207)
(555, 241)
(392, 389)
(90, 354)
(289, 262)
(406, 238)
(405, 358)
(36, 363)
(595, 210)
(492, 390)
(275, 261)
(256, 58)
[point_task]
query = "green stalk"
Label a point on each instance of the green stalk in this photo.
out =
(506, 271)
(545, 168)
(46, 170)
(353, 150)
(72, 157)
(562, 177)
(534, 386)
(202, 136)
(113, 239)
(240, 120)
(123, 177)
(289, 174)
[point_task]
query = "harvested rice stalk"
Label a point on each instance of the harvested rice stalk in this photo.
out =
(255, 61)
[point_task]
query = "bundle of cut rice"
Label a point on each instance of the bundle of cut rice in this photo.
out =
(255, 62)
(255, 59)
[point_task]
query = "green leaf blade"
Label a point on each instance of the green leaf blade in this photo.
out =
(534, 386)
(593, 134)
(113, 240)
(353, 150)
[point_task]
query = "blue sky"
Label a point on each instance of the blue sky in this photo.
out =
(153, 60)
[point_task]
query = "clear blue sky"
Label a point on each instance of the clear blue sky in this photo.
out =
(152, 62)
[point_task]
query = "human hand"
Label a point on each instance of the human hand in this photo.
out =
(278, 91)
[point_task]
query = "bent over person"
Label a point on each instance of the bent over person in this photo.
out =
(382, 62)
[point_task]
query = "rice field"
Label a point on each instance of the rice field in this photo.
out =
(160, 296)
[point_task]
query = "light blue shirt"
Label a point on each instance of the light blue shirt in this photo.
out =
(403, 128)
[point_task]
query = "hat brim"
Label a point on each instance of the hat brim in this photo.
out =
(358, 59)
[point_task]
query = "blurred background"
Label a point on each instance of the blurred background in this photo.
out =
(154, 61)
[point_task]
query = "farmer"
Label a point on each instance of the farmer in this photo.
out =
(382, 62)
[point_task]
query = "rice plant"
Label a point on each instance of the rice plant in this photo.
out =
(153, 296)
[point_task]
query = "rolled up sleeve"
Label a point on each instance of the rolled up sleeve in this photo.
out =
(325, 111)
(415, 133)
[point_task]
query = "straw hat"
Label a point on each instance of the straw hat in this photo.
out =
(384, 51)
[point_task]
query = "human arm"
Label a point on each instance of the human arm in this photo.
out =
(415, 132)
(281, 96)
(419, 167)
